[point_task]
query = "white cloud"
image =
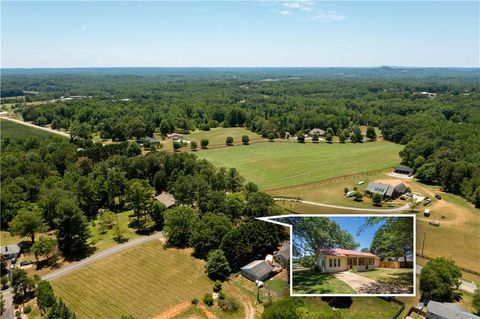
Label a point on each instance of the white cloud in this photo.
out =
(301, 5)
(283, 12)
(327, 16)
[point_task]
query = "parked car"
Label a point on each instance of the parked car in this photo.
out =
(350, 193)
(26, 263)
(426, 201)
(437, 196)
(361, 183)
(426, 212)
(434, 223)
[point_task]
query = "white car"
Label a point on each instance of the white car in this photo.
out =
(361, 182)
(350, 193)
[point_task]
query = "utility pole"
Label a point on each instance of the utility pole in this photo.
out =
(423, 243)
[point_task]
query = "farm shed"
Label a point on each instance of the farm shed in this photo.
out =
(10, 251)
(402, 169)
(257, 270)
(166, 199)
(175, 136)
(445, 310)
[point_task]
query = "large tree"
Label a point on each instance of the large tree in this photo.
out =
(179, 223)
(72, 231)
(217, 266)
(139, 196)
(45, 295)
(27, 222)
(312, 233)
(207, 233)
(439, 280)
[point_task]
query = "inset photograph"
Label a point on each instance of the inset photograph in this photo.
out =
(353, 255)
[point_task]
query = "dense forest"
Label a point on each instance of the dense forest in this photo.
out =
(434, 112)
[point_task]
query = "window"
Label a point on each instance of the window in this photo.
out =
(339, 263)
(330, 263)
(334, 263)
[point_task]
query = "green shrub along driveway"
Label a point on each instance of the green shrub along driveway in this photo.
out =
(311, 282)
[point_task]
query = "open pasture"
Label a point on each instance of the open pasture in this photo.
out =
(282, 164)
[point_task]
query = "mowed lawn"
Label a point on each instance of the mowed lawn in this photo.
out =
(398, 277)
(283, 164)
(144, 281)
(311, 282)
(353, 308)
(216, 136)
(12, 129)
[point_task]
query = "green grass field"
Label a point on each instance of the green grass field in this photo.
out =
(283, 164)
(216, 136)
(144, 281)
(360, 308)
(12, 129)
(309, 282)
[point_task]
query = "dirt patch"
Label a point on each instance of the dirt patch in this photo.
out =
(175, 311)
(208, 312)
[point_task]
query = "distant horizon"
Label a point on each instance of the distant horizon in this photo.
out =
(235, 34)
(245, 67)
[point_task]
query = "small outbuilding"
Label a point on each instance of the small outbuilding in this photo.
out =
(166, 199)
(257, 270)
(10, 251)
(175, 136)
(402, 169)
(426, 212)
(446, 310)
(282, 256)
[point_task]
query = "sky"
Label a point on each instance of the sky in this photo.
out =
(239, 34)
(353, 224)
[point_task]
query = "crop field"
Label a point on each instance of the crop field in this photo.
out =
(283, 164)
(11, 129)
(145, 282)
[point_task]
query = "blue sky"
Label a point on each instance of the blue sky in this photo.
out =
(239, 33)
(353, 224)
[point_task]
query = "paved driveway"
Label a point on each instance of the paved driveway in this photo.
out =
(355, 281)
(364, 285)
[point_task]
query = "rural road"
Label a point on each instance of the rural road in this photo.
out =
(465, 285)
(396, 209)
(101, 255)
(36, 126)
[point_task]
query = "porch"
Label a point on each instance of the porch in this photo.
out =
(361, 263)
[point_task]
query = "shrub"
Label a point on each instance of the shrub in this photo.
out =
(204, 143)
(217, 286)
(228, 305)
(221, 295)
(27, 309)
(208, 300)
(229, 140)
(345, 190)
(193, 145)
(358, 196)
(245, 140)
(194, 301)
(18, 314)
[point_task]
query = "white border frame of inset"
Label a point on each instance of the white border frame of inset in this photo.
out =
(272, 219)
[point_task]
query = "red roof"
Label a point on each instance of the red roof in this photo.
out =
(343, 252)
(174, 134)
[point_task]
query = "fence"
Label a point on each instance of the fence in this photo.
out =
(461, 268)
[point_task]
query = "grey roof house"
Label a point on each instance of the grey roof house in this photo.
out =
(257, 270)
(445, 310)
(10, 251)
(387, 191)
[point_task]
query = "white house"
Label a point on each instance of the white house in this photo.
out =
(336, 259)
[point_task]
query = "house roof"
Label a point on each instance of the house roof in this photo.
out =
(10, 249)
(404, 168)
(378, 188)
(174, 135)
(166, 199)
(318, 131)
(258, 267)
(449, 310)
(284, 251)
(344, 252)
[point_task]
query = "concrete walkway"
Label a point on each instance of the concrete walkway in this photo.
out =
(364, 285)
